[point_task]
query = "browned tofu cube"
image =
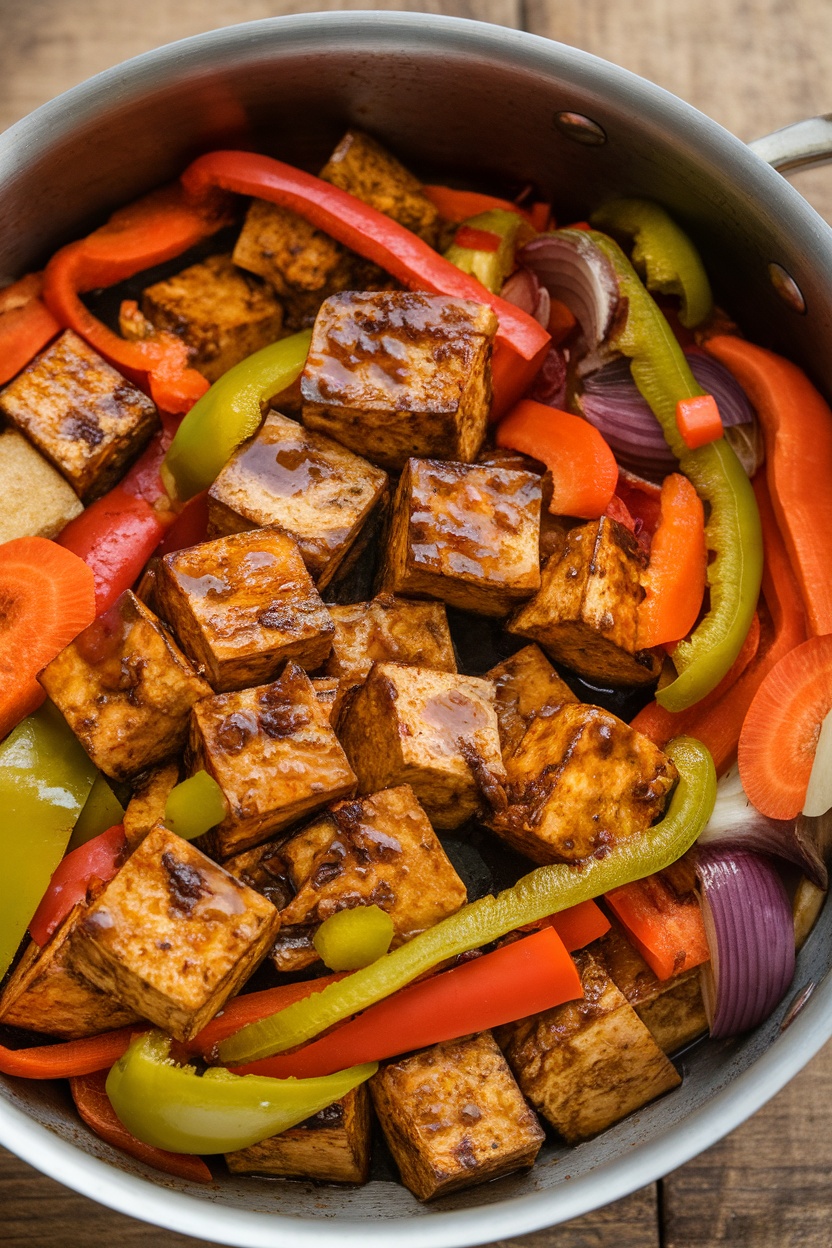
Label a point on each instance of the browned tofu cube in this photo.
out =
(332, 1147)
(378, 850)
(586, 612)
(146, 807)
(83, 415)
(580, 782)
(326, 691)
(363, 167)
(526, 685)
(274, 755)
(465, 533)
(311, 487)
(221, 313)
(587, 1064)
(453, 1116)
(35, 501)
(400, 373)
(173, 935)
(435, 731)
(242, 605)
(388, 629)
(125, 689)
(44, 993)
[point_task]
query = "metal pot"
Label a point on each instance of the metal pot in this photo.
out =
(453, 96)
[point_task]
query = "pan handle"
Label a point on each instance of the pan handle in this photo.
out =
(802, 145)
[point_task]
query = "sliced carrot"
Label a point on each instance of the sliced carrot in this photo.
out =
(47, 596)
(455, 206)
(72, 1057)
(583, 468)
(666, 928)
(674, 582)
(698, 420)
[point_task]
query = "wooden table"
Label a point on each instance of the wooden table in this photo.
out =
(753, 65)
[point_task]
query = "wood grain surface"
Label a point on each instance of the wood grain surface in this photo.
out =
(753, 65)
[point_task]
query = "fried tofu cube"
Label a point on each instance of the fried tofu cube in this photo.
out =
(146, 807)
(465, 533)
(221, 313)
(242, 605)
(44, 993)
(331, 1147)
(363, 167)
(587, 1064)
(273, 753)
(326, 691)
(173, 935)
(453, 1116)
(586, 612)
(526, 685)
(398, 374)
(388, 629)
(435, 731)
(314, 489)
(581, 781)
(81, 414)
(125, 689)
(35, 501)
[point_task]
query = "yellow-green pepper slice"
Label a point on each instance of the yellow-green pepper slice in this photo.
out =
(102, 810)
(490, 267)
(195, 806)
(353, 938)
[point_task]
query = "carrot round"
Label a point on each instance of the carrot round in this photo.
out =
(47, 596)
(674, 583)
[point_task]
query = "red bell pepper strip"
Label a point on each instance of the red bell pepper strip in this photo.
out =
(26, 325)
(579, 925)
(115, 536)
(521, 342)
(93, 1105)
(453, 205)
(477, 240)
(250, 1008)
(72, 1057)
(519, 979)
(189, 528)
(674, 581)
(666, 929)
(698, 420)
(97, 860)
(643, 500)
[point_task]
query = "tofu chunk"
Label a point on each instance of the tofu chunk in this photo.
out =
(466, 534)
(435, 731)
(526, 685)
(587, 1064)
(401, 373)
(173, 935)
(35, 501)
(453, 1116)
(81, 414)
(125, 689)
(314, 489)
(586, 612)
(274, 755)
(326, 691)
(331, 1147)
(581, 781)
(146, 807)
(242, 605)
(44, 993)
(220, 312)
(363, 167)
(388, 629)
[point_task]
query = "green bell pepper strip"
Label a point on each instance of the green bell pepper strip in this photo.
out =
(172, 1107)
(543, 892)
(662, 254)
(102, 810)
(354, 938)
(195, 806)
(489, 267)
(45, 779)
(228, 413)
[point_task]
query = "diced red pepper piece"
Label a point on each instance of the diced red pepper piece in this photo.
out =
(477, 240)
(99, 859)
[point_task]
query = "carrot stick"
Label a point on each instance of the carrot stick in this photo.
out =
(674, 583)
(666, 928)
(25, 329)
(73, 1057)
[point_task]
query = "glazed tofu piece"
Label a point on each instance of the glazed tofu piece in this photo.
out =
(326, 691)
(586, 612)
(331, 1147)
(146, 807)
(273, 753)
(242, 605)
(220, 312)
(453, 1116)
(581, 781)
(44, 993)
(435, 731)
(526, 686)
(398, 374)
(379, 850)
(388, 629)
(81, 414)
(35, 500)
(173, 935)
(125, 689)
(314, 489)
(587, 1064)
(466, 534)
(363, 167)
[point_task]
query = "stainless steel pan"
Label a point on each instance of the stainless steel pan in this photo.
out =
(455, 97)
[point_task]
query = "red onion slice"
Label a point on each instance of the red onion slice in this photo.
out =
(525, 291)
(748, 924)
(574, 271)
